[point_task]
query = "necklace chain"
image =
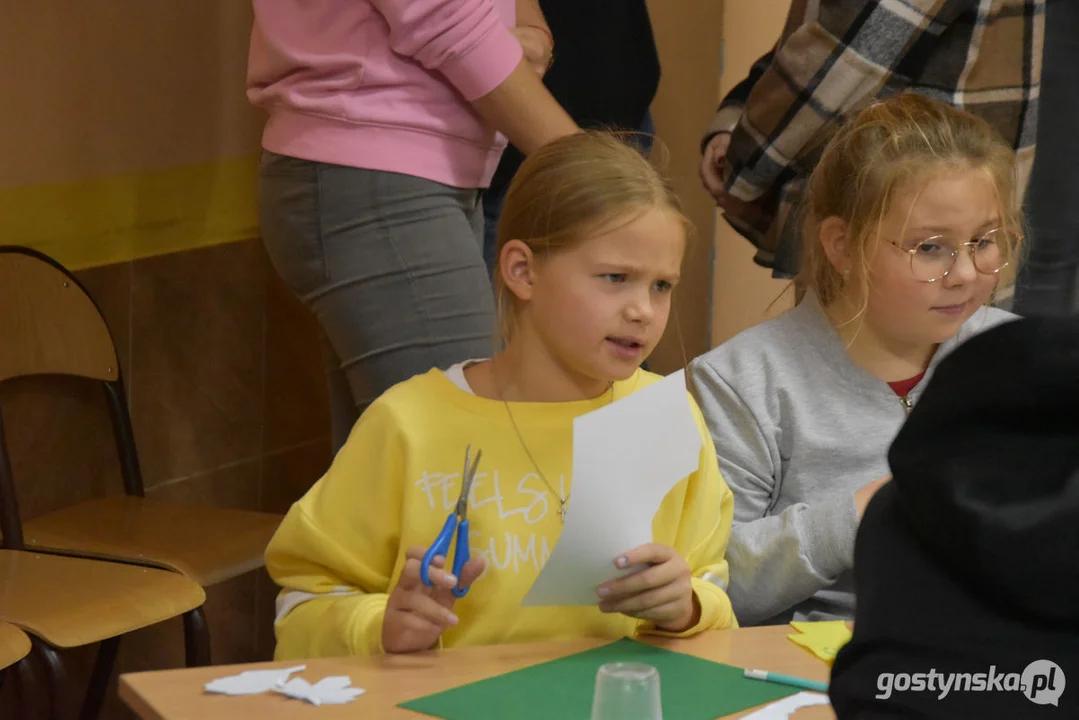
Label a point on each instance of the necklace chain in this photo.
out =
(563, 500)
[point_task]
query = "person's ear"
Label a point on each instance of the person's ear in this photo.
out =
(834, 237)
(517, 267)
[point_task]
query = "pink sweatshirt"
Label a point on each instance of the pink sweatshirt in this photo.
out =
(383, 84)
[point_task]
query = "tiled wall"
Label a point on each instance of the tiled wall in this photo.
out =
(228, 400)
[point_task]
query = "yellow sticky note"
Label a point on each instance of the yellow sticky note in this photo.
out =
(823, 639)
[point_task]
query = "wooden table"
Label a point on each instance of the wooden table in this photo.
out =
(391, 679)
(14, 645)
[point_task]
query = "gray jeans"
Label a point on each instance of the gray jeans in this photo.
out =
(391, 265)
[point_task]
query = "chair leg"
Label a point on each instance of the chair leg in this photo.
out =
(56, 683)
(99, 678)
(27, 687)
(4, 675)
(196, 638)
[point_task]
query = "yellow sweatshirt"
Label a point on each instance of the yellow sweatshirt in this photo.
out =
(340, 549)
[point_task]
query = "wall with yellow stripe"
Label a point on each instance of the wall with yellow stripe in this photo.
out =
(126, 132)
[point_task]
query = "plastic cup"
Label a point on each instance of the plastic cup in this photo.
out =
(627, 691)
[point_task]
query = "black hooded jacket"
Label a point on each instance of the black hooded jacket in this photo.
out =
(967, 562)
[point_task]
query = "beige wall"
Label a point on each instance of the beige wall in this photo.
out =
(121, 86)
(128, 133)
(742, 291)
(723, 291)
(688, 35)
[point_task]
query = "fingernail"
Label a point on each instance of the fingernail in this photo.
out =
(452, 619)
(622, 561)
(451, 580)
(603, 591)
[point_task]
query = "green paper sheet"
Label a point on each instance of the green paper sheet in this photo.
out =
(691, 688)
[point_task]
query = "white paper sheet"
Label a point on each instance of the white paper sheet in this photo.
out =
(251, 682)
(783, 709)
(626, 458)
(335, 690)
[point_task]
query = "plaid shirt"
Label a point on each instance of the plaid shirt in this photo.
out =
(837, 56)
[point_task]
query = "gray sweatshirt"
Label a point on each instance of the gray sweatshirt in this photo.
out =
(798, 428)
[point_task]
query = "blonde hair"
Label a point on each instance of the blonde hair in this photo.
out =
(880, 153)
(572, 187)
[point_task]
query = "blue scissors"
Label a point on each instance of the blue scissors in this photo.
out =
(457, 520)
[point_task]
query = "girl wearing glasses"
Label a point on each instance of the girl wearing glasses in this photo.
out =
(911, 227)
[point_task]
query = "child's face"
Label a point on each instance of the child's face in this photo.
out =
(602, 305)
(960, 205)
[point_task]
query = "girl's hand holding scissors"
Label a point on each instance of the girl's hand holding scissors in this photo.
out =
(416, 615)
(420, 607)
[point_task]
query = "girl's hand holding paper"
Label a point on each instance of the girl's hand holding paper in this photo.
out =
(660, 592)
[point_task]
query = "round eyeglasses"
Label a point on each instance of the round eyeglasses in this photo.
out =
(933, 258)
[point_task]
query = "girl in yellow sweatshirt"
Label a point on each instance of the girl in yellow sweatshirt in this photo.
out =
(590, 249)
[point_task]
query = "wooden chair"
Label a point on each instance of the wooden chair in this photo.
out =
(64, 602)
(14, 645)
(51, 326)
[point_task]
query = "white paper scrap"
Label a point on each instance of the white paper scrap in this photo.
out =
(783, 709)
(335, 690)
(626, 457)
(251, 682)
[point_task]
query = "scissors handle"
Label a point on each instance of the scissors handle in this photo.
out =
(441, 546)
(460, 557)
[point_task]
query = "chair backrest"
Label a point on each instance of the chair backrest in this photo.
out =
(48, 323)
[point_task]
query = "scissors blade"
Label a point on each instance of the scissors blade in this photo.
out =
(467, 476)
